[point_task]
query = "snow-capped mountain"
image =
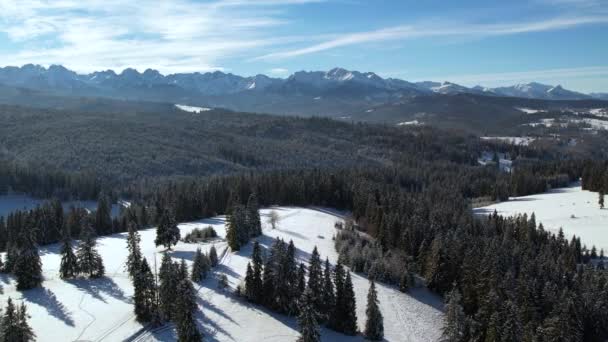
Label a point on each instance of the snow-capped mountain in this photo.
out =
(337, 82)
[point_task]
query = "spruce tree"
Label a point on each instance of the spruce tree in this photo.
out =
(256, 282)
(145, 294)
(200, 266)
(103, 217)
(454, 327)
(601, 199)
(185, 306)
(213, 256)
(14, 324)
(249, 287)
(308, 319)
(69, 262)
(348, 306)
(315, 280)
(25, 332)
(253, 215)
(301, 279)
(134, 258)
(328, 295)
(167, 232)
(167, 277)
(374, 326)
(337, 315)
(28, 267)
(89, 260)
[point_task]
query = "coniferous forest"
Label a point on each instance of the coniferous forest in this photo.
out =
(412, 193)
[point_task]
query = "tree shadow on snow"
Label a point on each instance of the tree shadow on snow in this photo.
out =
(47, 299)
(96, 287)
(186, 255)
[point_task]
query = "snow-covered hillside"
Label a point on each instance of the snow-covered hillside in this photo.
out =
(101, 310)
(14, 202)
(574, 210)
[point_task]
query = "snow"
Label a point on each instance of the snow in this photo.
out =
(522, 141)
(529, 110)
(409, 123)
(192, 109)
(101, 310)
(251, 86)
(574, 210)
(13, 202)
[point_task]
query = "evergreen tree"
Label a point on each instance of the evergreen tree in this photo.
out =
(167, 277)
(185, 305)
(454, 328)
(167, 232)
(213, 256)
(249, 287)
(337, 315)
(253, 215)
(349, 307)
(308, 319)
(69, 262)
(374, 326)
(145, 293)
(328, 295)
(103, 217)
(200, 266)
(28, 267)
(315, 280)
(89, 260)
(14, 324)
(301, 279)
(601, 199)
(134, 258)
(256, 280)
(232, 233)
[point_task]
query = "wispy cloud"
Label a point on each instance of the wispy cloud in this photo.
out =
(421, 31)
(278, 71)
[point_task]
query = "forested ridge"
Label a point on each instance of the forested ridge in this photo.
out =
(505, 279)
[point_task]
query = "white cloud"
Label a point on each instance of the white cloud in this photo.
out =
(278, 71)
(438, 30)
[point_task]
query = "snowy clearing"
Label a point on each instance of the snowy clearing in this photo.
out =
(521, 141)
(576, 211)
(101, 310)
(409, 123)
(529, 110)
(192, 109)
(14, 202)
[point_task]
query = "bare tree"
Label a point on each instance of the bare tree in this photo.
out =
(273, 219)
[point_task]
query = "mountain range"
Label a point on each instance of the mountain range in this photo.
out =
(335, 82)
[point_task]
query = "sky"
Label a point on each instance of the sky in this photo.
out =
(471, 42)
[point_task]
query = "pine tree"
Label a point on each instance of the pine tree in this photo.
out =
(601, 199)
(69, 262)
(213, 256)
(167, 276)
(249, 286)
(145, 293)
(185, 305)
(253, 215)
(103, 217)
(167, 232)
(454, 328)
(200, 266)
(308, 319)
(301, 279)
(256, 281)
(349, 307)
(374, 326)
(89, 260)
(134, 258)
(337, 315)
(28, 267)
(315, 280)
(405, 281)
(14, 324)
(328, 295)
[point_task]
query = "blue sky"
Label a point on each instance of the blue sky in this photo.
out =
(469, 42)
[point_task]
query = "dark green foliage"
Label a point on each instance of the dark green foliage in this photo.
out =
(200, 266)
(328, 295)
(200, 235)
(168, 281)
(145, 293)
(455, 320)
(134, 258)
(213, 256)
(315, 281)
(185, 306)
(374, 325)
(28, 266)
(90, 262)
(69, 262)
(167, 233)
(103, 218)
(344, 316)
(238, 228)
(253, 215)
(308, 319)
(15, 327)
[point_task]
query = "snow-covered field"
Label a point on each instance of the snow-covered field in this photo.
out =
(192, 109)
(101, 310)
(14, 202)
(576, 211)
(522, 141)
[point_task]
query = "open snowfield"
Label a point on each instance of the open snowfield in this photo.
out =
(555, 208)
(101, 310)
(14, 202)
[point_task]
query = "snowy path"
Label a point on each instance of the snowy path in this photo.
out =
(101, 310)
